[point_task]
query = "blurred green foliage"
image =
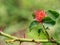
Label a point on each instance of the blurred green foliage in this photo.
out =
(17, 14)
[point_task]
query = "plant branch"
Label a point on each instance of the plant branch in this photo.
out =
(24, 39)
(7, 35)
(48, 36)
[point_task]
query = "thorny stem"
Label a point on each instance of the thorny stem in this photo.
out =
(24, 39)
(48, 36)
(7, 35)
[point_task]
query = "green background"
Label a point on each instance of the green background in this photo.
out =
(16, 15)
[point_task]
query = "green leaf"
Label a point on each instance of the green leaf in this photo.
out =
(33, 24)
(33, 15)
(54, 14)
(56, 33)
(48, 20)
(39, 30)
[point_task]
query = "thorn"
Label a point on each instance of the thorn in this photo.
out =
(20, 42)
(33, 40)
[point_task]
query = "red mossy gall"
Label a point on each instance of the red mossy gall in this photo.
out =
(39, 15)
